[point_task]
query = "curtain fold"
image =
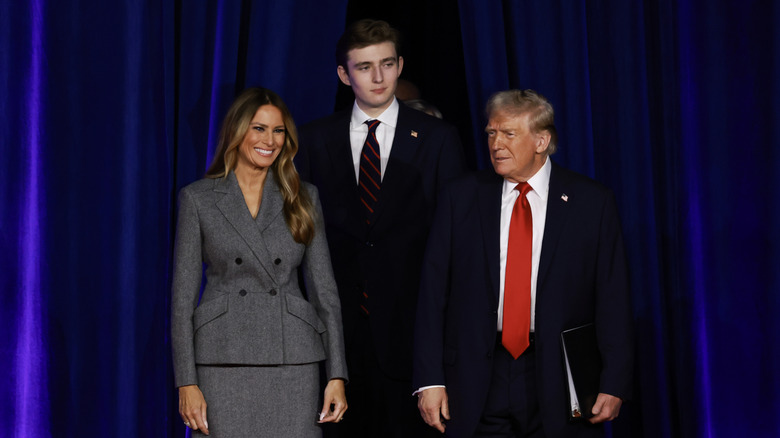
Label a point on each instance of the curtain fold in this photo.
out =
(24, 399)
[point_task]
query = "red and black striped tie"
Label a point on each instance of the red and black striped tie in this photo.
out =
(370, 177)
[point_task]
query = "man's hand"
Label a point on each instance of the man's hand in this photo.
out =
(434, 407)
(606, 408)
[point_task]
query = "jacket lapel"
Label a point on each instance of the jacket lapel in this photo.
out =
(340, 154)
(343, 172)
(557, 216)
(490, 205)
(405, 146)
(272, 203)
(406, 140)
(234, 208)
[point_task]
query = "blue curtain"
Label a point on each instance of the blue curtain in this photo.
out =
(108, 108)
(675, 105)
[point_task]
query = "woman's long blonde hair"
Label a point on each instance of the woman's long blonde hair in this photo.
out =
(298, 208)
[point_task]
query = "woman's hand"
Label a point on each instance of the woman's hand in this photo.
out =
(335, 397)
(192, 408)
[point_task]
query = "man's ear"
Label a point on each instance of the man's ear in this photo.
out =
(400, 64)
(542, 141)
(343, 75)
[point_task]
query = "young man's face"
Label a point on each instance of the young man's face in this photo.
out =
(373, 73)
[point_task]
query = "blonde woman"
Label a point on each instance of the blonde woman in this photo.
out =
(247, 353)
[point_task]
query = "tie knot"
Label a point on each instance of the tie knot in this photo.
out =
(372, 124)
(523, 188)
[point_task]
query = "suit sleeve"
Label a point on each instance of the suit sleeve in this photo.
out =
(323, 293)
(613, 308)
(432, 300)
(187, 273)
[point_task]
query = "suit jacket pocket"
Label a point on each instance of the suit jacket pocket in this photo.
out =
(305, 311)
(209, 311)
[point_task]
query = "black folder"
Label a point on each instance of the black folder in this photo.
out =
(583, 359)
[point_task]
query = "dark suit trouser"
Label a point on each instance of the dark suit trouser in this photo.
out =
(379, 406)
(512, 408)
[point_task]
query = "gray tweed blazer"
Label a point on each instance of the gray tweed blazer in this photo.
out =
(252, 311)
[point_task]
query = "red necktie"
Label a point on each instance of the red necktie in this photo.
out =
(517, 284)
(370, 177)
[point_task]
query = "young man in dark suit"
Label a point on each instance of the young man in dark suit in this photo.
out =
(517, 255)
(378, 167)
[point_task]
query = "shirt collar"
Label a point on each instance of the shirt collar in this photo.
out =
(389, 117)
(540, 182)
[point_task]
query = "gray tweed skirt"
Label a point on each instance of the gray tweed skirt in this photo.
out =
(261, 401)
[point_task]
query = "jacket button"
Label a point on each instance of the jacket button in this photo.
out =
(272, 292)
(277, 261)
(242, 292)
(490, 354)
(238, 261)
(370, 244)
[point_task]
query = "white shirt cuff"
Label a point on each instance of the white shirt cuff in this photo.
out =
(426, 387)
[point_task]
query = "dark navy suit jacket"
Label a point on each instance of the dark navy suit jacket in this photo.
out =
(383, 259)
(582, 278)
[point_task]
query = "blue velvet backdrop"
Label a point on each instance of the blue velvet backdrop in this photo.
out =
(108, 109)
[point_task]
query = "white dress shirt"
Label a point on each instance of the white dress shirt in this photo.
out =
(537, 198)
(385, 132)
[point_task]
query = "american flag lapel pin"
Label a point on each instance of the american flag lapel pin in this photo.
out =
(414, 133)
(565, 197)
